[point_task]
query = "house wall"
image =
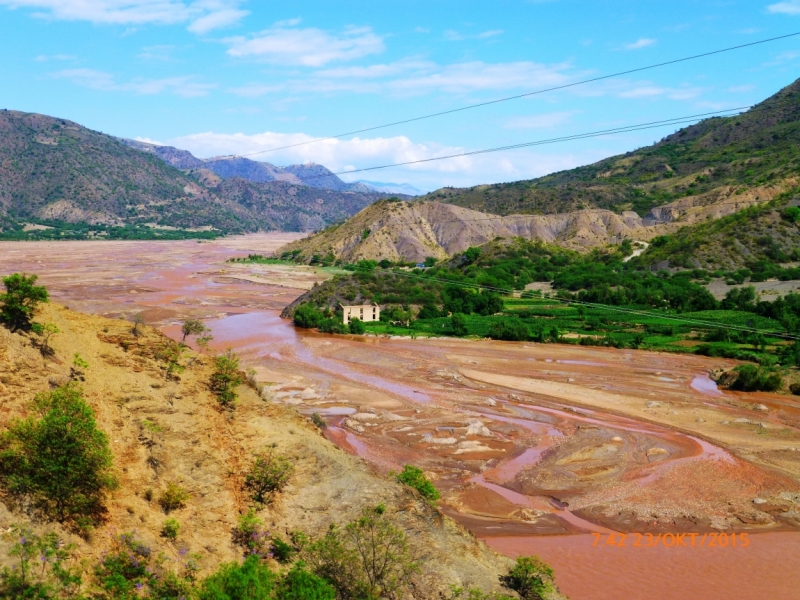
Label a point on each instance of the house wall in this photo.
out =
(364, 313)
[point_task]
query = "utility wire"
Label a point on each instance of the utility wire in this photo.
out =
(578, 136)
(527, 94)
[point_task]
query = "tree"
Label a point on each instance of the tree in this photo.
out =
(530, 577)
(226, 377)
(299, 584)
(430, 261)
(367, 560)
(414, 477)
(251, 580)
(45, 331)
(60, 461)
(192, 327)
(269, 474)
(458, 324)
(357, 327)
(21, 299)
(307, 316)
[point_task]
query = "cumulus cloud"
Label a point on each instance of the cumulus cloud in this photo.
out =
(340, 155)
(288, 45)
(640, 43)
(185, 86)
(201, 15)
(791, 7)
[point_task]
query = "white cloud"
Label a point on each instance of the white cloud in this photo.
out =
(791, 7)
(310, 47)
(44, 58)
(543, 121)
(640, 43)
(202, 15)
(185, 86)
(454, 36)
(339, 155)
(653, 91)
(148, 141)
(254, 90)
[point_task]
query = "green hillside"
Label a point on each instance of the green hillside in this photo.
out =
(759, 147)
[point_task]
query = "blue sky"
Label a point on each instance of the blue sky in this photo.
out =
(237, 76)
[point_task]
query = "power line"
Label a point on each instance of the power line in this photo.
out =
(527, 94)
(578, 136)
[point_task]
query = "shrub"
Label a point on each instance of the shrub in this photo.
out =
(795, 389)
(317, 420)
(21, 299)
(756, 379)
(357, 327)
(414, 477)
(307, 316)
(173, 498)
(429, 311)
(458, 325)
(45, 331)
(281, 551)
(251, 580)
(226, 378)
(171, 529)
(530, 577)
(369, 558)
(192, 327)
(250, 535)
(512, 330)
(299, 584)
(269, 475)
(61, 461)
(41, 572)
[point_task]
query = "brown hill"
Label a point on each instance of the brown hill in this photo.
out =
(164, 430)
(411, 231)
(726, 156)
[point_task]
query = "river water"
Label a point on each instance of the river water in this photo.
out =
(174, 280)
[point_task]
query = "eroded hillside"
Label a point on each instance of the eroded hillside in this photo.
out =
(171, 430)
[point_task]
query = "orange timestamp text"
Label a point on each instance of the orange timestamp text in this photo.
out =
(672, 540)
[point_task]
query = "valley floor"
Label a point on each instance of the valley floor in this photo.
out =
(534, 446)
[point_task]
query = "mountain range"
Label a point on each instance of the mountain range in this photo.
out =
(679, 188)
(55, 170)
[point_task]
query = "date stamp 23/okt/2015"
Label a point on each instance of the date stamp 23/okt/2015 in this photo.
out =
(671, 540)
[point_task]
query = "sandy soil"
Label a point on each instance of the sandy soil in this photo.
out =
(523, 440)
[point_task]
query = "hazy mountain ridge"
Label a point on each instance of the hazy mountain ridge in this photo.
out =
(759, 147)
(55, 170)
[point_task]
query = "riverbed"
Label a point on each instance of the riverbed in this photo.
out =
(537, 448)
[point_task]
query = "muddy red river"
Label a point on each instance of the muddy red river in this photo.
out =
(628, 471)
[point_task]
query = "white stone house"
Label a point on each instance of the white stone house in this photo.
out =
(363, 312)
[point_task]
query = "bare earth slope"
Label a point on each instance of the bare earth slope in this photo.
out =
(413, 230)
(165, 431)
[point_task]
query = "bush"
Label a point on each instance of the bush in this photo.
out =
(173, 498)
(45, 331)
(512, 330)
(171, 529)
(795, 389)
(530, 577)
(299, 584)
(250, 535)
(226, 378)
(281, 551)
(251, 580)
(458, 325)
(369, 558)
(317, 420)
(756, 379)
(307, 316)
(60, 462)
(269, 475)
(192, 327)
(41, 572)
(414, 477)
(357, 327)
(21, 299)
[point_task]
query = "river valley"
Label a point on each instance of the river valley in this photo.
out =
(544, 449)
